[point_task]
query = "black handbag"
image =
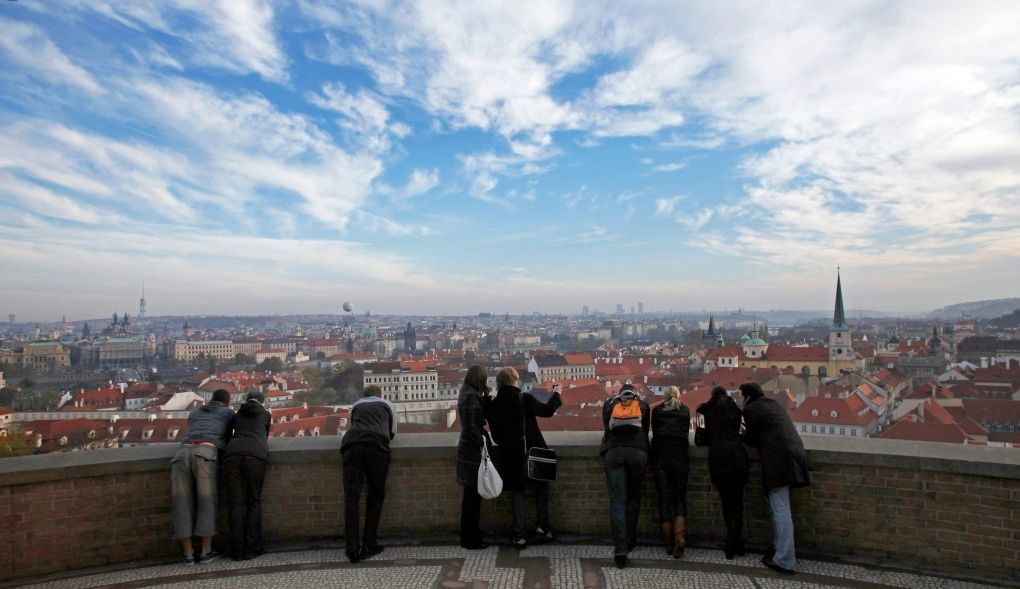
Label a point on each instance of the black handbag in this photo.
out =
(542, 464)
(701, 437)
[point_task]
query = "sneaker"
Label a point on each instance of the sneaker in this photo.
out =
(354, 557)
(209, 557)
(543, 535)
(520, 542)
(189, 560)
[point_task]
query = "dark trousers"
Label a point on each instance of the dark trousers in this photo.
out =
(625, 471)
(364, 463)
(671, 484)
(242, 478)
(470, 516)
(541, 489)
(732, 496)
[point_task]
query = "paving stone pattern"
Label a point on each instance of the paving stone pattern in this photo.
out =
(450, 567)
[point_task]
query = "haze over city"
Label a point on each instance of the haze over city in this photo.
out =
(450, 158)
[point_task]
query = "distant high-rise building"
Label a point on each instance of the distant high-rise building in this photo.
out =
(12, 319)
(619, 309)
(640, 308)
(584, 311)
(141, 303)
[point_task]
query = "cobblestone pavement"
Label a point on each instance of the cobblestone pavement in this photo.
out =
(538, 567)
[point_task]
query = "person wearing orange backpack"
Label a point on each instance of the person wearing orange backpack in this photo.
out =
(624, 455)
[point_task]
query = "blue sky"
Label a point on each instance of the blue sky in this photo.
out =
(454, 157)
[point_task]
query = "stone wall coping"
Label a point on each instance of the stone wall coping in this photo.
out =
(921, 456)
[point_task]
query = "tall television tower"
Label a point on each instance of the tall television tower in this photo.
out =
(141, 303)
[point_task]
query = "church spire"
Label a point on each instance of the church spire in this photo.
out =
(838, 315)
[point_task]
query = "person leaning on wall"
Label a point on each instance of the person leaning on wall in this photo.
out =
(727, 464)
(366, 459)
(624, 453)
(244, 471)
(783, 466)
(193, 484)
(671, 427)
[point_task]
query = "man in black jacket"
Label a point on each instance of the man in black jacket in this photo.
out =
(366, 458)
(783, 465)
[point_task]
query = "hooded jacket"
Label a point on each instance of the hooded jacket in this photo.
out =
(250, 428)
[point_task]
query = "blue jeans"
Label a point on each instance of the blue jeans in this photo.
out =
(782, 528)
(625, 472)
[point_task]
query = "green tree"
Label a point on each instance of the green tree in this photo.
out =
(272, 364)
(243, 359)
(325, 396)
(312, 376)
(15, 444)
(45, 400)
(349, 395)
(7, 395)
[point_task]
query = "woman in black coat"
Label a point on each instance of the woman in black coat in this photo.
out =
(727, 464)
(511, 416)
(474, 395)
(671, 427)
(244, 470)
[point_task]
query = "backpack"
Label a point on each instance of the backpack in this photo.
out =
(626, 411)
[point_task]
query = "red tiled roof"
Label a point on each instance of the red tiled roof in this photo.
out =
(925, 432)
(588, 393)
(579, 358)
(932, 412)
(732, 378)
(848, 411)
(986, 411)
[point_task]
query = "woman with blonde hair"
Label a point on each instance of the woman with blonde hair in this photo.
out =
(511, 416)
(671, 424)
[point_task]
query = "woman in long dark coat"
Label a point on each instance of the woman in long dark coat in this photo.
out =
(474, 395)
(511, 416)
(727, 464)
(671, 427)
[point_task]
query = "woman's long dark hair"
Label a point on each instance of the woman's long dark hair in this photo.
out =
(476, 378)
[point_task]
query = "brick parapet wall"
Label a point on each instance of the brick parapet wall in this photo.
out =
(939, 508)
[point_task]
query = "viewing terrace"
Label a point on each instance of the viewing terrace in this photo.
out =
(880, 513)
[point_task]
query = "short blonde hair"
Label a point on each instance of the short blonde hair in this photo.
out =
(507, 376)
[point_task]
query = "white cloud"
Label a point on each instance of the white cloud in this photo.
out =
(671, 167)
(37, 56)
(362, 114)
(248, 144)
(420, 182)
(235, 35)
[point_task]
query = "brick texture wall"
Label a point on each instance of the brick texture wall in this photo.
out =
(873, 502)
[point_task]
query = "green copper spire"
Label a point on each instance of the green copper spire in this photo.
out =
(838, 316)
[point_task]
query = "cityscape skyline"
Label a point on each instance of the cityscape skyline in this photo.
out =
(257, 158)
